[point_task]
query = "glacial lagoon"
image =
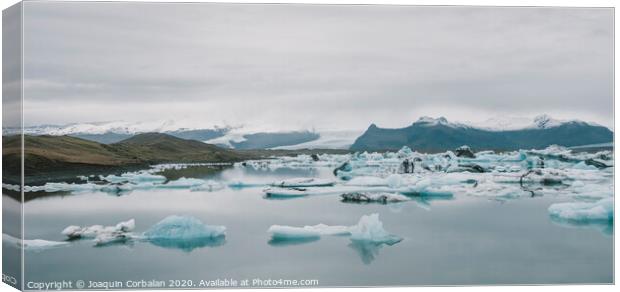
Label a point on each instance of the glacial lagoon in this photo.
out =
(487, 231)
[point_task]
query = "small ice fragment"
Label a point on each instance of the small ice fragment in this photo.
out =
(126, 226)
(72, 231)
(113, 237)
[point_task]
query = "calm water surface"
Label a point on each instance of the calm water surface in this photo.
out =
(466, 240)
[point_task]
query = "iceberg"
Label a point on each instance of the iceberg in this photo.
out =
(370, 229)
(183, 228)
(99, 231)
(583, 212)
(185, 233)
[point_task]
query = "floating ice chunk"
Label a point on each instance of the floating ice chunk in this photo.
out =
(583, 166)
(126, 226)
(183, 228)
(394, 181)
(135, 177)
(370, 229)
(304, 182)
(600, 211)
(372, 181)
(286, 192)
(405, 151)
(290, 232)
(111, 238)
(32, 244)
(209, 186)
(11, 187)
(374, 197)
(74, 232)
(40, 244)
(184, 183)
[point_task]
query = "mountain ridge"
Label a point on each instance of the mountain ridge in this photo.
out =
(430, 134)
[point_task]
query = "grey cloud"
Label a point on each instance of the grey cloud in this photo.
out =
(314, 65)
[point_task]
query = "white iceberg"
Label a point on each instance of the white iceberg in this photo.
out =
(134, 177)
(94, 231)
(370, 229)
(582, 212)
(290, 232)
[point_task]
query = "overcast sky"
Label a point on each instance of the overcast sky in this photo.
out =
(313, 66)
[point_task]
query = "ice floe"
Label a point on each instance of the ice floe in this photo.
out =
(32, 244)
(584, 212)
(304, 182)
(290, 232)
(368, 229)
(384, 198)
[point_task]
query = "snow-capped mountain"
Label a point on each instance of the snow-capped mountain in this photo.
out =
(117, 127)
(509, 123)
(425, 133)
(438, 134)
(115, 131)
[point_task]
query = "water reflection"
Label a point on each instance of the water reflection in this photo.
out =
(189, 245)
(368, 251)
(281, 242)
(605, 227)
